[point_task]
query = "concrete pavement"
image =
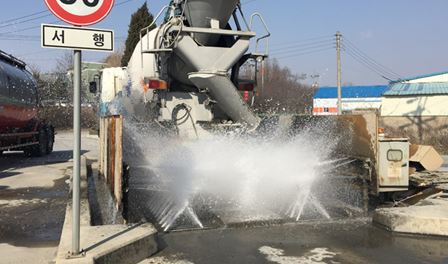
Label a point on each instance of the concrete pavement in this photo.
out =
(315, 242)
(33, 197)
(104, 243)
(428, 217)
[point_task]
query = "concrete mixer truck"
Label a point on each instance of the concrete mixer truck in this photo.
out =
(186, 72)
(20, 128)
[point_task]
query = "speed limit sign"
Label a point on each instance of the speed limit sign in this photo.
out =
(80, 12)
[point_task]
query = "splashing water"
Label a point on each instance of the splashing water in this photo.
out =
(247, 177)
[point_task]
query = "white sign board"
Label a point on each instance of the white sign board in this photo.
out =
(62, 37)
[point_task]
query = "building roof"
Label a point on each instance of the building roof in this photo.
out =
(421, 76)
(406, 89)
(351, 92)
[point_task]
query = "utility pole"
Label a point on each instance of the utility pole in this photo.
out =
(338, 54)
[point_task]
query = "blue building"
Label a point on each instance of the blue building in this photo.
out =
(325, 100)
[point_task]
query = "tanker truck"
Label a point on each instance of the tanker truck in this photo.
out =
(185, 73)
(20, 128)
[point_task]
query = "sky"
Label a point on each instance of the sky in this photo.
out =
(381, 39)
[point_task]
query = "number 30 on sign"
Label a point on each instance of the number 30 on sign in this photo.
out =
(80, 12)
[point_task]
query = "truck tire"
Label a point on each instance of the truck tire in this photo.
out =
(40, 149)
(50, 139)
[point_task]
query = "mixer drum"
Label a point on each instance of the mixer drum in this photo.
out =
(200, 12)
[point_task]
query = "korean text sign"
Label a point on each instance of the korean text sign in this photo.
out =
(55, 36)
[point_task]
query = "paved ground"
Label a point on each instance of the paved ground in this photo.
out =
(349, 241)
(33, 196)
(33, 193)
(355, 241)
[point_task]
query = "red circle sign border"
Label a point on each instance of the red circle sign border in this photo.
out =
(76, 20)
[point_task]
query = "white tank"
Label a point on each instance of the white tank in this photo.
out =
(142, 65)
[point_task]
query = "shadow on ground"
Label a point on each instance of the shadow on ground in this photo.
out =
(16, 159)
(33, 214)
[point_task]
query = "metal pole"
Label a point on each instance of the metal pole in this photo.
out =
(76, 151)
(338, 51)
(263, 71)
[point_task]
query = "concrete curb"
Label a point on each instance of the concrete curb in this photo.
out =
(105, 244)
(429, 217)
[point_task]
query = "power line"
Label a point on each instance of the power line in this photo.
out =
(366, 64)
(39, 52)
(289, 43)
(125, 2)
(39, 60)
(18, 39)
(248, 2)
(371, 65)
(26, 29)
(362, 54)
(304, 53)
(326, 45)
(353, 46)
(309, 44)
(22, 17)
(24, 21)
(22, 36)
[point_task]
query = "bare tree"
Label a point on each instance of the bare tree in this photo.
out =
(283, 91)
(64, 63)
(114, 59)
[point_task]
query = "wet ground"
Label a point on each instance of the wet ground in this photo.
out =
(33, 198)
(354, 240)
(350, 241)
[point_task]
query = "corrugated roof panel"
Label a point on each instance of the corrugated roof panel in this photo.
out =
(421, 76)
(421, 87)
(417, 89)
(351, 92)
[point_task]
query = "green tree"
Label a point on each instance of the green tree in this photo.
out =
(139, 20)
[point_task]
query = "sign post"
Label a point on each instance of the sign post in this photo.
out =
(76, 152)
(78, 13)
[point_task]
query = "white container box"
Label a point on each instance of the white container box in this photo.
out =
(393, 164)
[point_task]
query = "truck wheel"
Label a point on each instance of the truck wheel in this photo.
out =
(28, 151)
(40, 149)
(50, 139)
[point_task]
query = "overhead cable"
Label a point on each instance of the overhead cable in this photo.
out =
(358, 52)
(293, 55)
(299, 49)
(297, 42)
(22, 17)
(303, 45)
(23, 21)
(368, 65)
